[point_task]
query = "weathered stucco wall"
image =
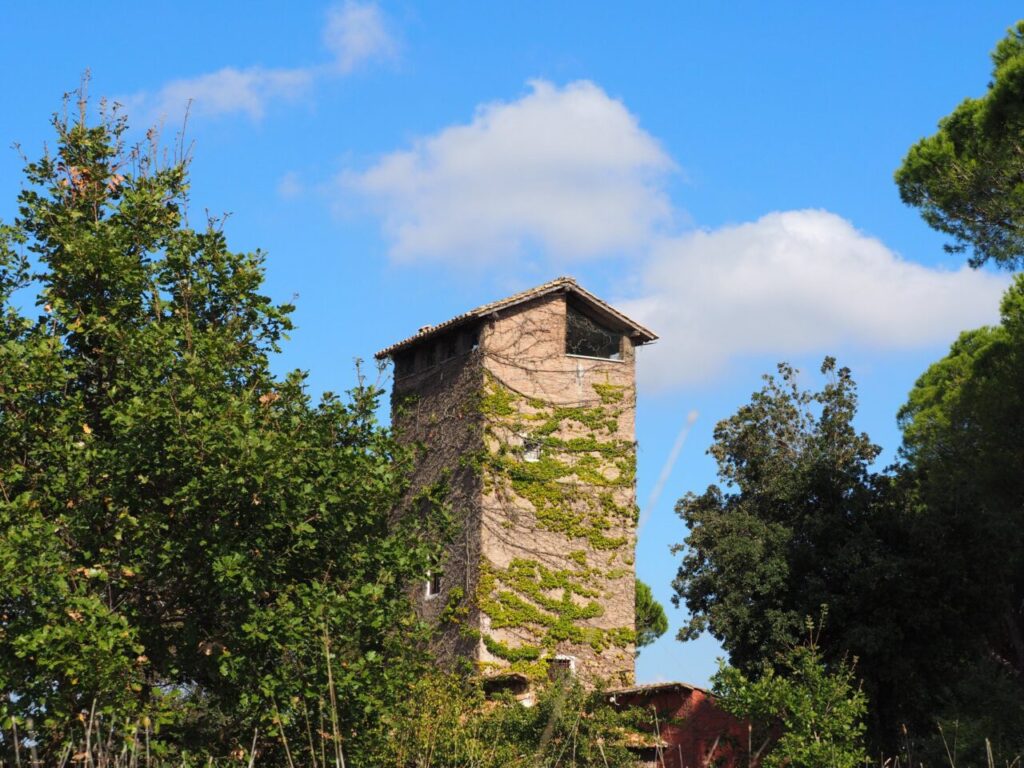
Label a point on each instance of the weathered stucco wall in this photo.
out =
(558, 512)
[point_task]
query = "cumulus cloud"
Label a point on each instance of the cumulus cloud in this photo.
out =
(354, 33)
(568, 170)
(226, 91)
(794, 282)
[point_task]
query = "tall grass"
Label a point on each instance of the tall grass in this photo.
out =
(442, 726)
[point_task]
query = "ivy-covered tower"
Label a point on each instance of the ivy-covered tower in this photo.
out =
(525, 407)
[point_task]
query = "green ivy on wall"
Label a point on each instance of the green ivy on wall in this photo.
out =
(578, 485)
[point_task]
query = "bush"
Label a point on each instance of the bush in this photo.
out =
(802, 717)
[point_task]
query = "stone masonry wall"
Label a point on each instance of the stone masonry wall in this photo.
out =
(437, 408)
(558, 508)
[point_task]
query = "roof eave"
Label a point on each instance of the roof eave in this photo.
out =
(638, 333)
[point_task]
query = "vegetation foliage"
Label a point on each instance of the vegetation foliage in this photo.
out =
(918, 566)
(576, 486)
(185, 537)
(447, 723)
(651, 621)
(968, 178)
(800, 714)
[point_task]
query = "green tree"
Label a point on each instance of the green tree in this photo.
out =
(651, 621)
(790, 531)
(802, 716)
(968, 178)
(184, 536)
(962, 442)
(805, 523)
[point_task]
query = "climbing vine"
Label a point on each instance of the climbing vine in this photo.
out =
(567, 469)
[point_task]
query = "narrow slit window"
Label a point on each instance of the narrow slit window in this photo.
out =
(405, 364)
(586, 337)
(449, 346)
(433, 584)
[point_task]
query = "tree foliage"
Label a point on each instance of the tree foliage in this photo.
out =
(651, 621)
(791, 528)
(803, 716)
(919, 566)
(184, 536)
(805, 524)
(963, 430)
(448, 723)
(968, 178)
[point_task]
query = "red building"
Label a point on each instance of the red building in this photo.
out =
(691, 731)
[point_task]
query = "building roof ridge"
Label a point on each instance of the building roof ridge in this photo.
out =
(562, 283)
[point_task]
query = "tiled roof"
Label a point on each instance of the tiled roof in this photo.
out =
(566, 284)
(654, 688)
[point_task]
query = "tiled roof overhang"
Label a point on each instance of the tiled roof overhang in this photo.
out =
(605, 311)
(654, 688)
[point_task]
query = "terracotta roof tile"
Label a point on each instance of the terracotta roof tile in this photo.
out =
(566, 284)
(654, 688)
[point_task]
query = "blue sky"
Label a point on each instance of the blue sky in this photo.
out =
(721, 171)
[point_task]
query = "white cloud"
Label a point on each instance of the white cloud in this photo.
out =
(795, 282)
(290, 186)
(356, 33)
(566, 169)
(225, 91)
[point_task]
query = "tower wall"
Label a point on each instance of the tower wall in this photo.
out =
(538, 450)
(436, 410)
(558, 507)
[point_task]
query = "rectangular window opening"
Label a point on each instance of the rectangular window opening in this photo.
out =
(433, 584)
(586, 337)
(449, 346)
(405, 363)
(561, 667)
(471, 340)
(531, 450)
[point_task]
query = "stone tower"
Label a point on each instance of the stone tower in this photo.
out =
(525, 407)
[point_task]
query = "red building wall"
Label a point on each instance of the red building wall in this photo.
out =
(693, 732)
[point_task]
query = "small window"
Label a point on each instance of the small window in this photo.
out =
(515, 684)
(433, 584)
(405, 364)
(470, 340)
(586, 337)
(531, 450)
(449, 346)
(561, 667)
